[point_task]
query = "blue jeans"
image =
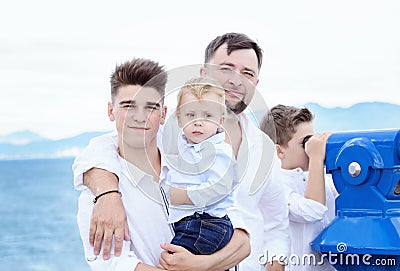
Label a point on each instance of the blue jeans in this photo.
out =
(202, 233)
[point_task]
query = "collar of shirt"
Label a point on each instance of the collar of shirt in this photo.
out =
(250, 136)
(250, 131)
(215, 139)
(295, 173)
(140, 180)
(132, 173)
(136, 175)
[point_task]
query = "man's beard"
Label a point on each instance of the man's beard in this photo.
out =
(237, 108)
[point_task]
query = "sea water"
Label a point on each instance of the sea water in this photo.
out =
(38, 205)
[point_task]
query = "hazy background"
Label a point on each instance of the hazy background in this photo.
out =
(56, 56)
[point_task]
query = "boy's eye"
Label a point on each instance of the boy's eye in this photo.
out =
(207, 115)
(129, 106)
(249, 74)
(151, 107)
(190, 115)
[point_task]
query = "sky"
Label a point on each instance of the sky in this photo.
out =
(56, 56)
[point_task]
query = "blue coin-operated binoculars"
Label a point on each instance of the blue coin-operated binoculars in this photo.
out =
(365, 235)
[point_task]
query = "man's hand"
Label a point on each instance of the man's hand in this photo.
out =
(274, 266)
(178, 258)
(108, 219)
(108, 216)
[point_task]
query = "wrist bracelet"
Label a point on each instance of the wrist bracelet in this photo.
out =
(105, 193)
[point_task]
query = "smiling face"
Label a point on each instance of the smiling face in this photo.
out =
(237, 73)
(138, 113)
(200, 118)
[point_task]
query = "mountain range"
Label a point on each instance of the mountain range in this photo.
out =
(362, 116)
(28, 145)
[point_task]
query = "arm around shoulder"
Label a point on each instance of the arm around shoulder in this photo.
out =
(102, 152)
(108, 218)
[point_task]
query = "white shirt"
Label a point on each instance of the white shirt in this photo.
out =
(146, 216)
(260, 197)
(208, 171)
(307, 218)
(260, 207)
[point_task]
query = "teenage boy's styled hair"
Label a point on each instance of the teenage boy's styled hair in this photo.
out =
(281, 122)
(139, 71)
(198, 87)
(234, 41)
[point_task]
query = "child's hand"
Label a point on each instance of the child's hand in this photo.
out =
(316, 146)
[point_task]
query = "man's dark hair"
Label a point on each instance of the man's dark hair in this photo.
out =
(233, 41)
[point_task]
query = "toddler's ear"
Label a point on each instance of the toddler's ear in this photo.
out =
(163, 115)
(203, 71)
(222, 119)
